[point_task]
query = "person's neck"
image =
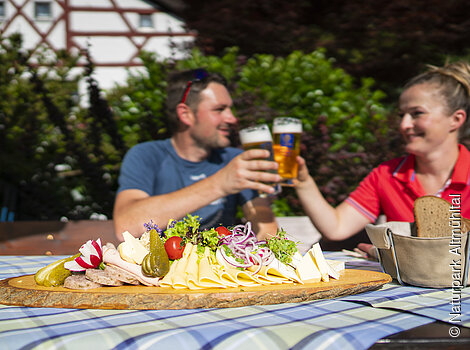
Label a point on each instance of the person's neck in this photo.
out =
(434, 169)
(187, 149)
(437, 162)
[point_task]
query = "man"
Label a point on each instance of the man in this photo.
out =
(195, 171)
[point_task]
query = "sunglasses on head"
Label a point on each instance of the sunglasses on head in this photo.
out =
(198, 75)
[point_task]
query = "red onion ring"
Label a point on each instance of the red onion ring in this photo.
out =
(244, 245)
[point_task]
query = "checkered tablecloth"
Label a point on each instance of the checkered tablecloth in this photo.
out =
(353, 322)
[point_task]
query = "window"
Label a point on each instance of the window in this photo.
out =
(2, 10)
(145, 21)
(42, 10)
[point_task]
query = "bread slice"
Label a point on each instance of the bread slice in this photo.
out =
(432, 217)
(465, 225)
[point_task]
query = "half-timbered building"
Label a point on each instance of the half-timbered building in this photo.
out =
(113, 31)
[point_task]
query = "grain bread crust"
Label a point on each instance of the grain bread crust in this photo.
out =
(80, 282)
(432, 216)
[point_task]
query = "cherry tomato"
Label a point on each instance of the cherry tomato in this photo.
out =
(223, 231)
(173, 247)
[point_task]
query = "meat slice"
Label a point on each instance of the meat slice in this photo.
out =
(121, 274)
(80, 282)
(112, 256)
(102, 277)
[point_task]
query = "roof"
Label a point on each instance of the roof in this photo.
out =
(175, 6)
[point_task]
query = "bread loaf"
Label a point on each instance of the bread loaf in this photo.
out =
(465, 225)
(432, 216)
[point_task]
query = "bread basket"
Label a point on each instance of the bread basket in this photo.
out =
(436, 262)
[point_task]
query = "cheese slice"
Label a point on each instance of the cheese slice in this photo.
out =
(277, 268)
(125, 252)
(307, 269)
(179, 279)
(266, 275)
(224, 276)
(296, 259)
(191, 273)
(320, 261)
(167, 281)
(131, 249)
(332, 272)
(337, 265)
(241, 277)
(207, 277)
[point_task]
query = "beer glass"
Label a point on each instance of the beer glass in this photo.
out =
(286, 145)
(259, 136)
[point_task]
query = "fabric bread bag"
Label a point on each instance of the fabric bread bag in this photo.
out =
(430, 252)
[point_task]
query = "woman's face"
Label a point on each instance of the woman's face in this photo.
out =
(425, 123)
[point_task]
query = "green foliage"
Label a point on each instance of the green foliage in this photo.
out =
(344, 120)
(390, 41)
(65, 159)
(307, 86)
(31, 145)
(61, 159)
(227, 64)
(139, 105)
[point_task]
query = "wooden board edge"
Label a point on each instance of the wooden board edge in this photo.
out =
(96, 299)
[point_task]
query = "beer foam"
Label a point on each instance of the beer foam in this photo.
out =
(261, 135)
(287, 129)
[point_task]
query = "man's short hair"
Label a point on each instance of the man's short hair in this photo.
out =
(186, 86)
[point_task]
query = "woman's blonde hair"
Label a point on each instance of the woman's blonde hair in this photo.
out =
(453, 83)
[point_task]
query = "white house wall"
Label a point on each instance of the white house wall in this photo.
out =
(98, 21)
(109, 29)
(108, 49)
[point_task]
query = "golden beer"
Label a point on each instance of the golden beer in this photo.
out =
(286, 145)
(259, 136)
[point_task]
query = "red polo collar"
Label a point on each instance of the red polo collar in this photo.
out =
(405, 171)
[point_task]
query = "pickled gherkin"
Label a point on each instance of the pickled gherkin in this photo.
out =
(57, 276)
(54, 274)
(156, 262)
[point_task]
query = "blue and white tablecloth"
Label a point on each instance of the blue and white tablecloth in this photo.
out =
(352, 322)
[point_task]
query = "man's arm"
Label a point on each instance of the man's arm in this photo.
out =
(258, 212)
(133, 208)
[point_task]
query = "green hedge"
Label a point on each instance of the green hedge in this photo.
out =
(64, 159)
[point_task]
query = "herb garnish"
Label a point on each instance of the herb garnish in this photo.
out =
(282, 247)
(188, 230)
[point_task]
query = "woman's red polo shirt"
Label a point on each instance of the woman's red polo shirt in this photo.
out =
(392, 188)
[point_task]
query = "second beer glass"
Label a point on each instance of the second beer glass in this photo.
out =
(287, 133)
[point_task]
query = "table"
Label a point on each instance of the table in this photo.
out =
(351, 322)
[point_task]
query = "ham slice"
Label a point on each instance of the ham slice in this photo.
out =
(112, 256)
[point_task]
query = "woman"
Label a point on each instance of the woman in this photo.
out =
(434, 109)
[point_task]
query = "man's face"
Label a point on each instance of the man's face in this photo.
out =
(213, 118)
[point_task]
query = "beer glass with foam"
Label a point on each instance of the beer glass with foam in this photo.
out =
(259, 136)
(286, 145)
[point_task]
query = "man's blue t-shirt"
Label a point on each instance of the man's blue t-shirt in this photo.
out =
(155, 168)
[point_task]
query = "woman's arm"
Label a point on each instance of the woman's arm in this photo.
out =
(334, 223)
(258, 212)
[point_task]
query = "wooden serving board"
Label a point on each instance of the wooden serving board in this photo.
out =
(23, 291)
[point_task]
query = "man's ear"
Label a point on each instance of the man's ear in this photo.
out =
(458, 119)
(185, 114)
